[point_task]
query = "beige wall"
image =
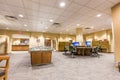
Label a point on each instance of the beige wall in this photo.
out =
(33, 36)
(101, 35)
(116, 30)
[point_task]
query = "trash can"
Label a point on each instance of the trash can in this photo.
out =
(119, 66)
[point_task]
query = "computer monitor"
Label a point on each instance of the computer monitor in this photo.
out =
(76, 43)
(88, 43)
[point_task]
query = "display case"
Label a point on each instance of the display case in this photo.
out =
(40, 55)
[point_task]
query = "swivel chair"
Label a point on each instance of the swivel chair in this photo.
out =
(72, 51)
(95, 51)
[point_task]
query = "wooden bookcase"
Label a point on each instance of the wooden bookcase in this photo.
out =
(103, 44)
(62, 45)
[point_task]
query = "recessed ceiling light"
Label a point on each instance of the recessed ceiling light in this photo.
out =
(7, 28)
(103, 29)
(51, 20)
(27, 30)
(67, 30)
(62, 4)
(46, 27)
(60, 32)
(98, 15)
(92, 27)
(78, 24)
(25, 24)
(20, 15)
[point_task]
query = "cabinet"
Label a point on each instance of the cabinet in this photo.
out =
(103, 44)
(62, 45)
(40, 57)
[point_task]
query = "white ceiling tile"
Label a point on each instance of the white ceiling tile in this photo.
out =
(48, 2)
(17, 3)
(95, 3)
(31, 5)
(81, 2)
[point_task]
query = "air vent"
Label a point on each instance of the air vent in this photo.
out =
(56, 25)
(87, 28)
(12, 18)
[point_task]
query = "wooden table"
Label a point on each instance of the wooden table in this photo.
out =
(84, 51)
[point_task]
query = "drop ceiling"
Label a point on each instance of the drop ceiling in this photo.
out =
(37, 14)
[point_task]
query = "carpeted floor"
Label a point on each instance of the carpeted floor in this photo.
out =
(64, 68)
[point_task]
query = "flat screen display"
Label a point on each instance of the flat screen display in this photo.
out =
(76, 43)
(88, 43)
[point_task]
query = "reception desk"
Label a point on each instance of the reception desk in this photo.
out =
(84, 51)
(40, 56)
(20, 47)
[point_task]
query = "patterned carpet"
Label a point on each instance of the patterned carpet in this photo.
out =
(63, 67)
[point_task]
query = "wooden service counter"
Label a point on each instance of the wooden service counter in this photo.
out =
(20, 47)
(41, 57)
(84, 51)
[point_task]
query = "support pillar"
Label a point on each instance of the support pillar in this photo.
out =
(79, 36)
(116, 31)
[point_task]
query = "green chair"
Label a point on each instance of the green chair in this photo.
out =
(95, 51)
(65, 50)
(72, 51)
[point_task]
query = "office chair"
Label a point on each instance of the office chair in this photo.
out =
(4, 69)
(72, 51)
(95, 51)
(65, 50)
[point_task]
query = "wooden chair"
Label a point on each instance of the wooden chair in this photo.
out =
(4, 69)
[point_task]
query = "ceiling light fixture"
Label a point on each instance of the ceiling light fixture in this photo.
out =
(62, 4)
(98, 15)
(7, 28)
(61, 32)
(43, 31)
(92, 27)
(46, 27)
(25, 25)
(51, 20)
(78, 24)
(103, 29)
(27, 30)
(20, 15)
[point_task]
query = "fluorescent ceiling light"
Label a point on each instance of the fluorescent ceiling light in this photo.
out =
(20, 15)
(62, 4)
(98, 15)
(51, 20)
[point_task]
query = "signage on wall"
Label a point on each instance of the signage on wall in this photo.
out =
(20, 32)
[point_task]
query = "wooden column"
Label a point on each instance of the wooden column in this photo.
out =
(116, 30)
